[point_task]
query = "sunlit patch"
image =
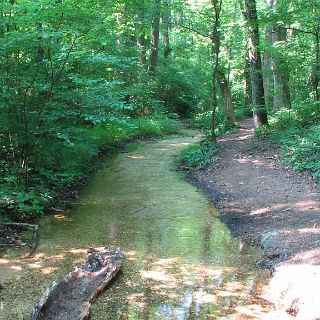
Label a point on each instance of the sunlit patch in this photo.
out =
(166, 262)
(60, 216)
(135, 156)
(36, 265)
(163, 149)
(48, 270)
(4, 261)
(157, 276)
(250, 310)
(179, 145)
(130, 253)
(78, 251)
(58, 257)
(204, 297)
(306, 205)
(16, 268)
(136, 299)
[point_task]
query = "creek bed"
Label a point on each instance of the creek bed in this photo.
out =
(182, 262)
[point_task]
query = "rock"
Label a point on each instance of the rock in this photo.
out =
(295, 290)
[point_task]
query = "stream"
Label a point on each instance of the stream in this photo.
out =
(181, 261)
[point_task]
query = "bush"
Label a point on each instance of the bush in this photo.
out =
(198, 156)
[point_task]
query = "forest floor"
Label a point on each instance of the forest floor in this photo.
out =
(265, 203)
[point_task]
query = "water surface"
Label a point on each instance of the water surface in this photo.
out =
(182, 262)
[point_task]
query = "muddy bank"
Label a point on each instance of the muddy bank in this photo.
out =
(266, 204)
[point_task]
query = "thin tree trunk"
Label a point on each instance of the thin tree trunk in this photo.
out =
(259, 107)
(141, 35)
(155, 36)
(166, 28)
(267, 66)
(314, 75)
(215, 50)
(247, 92)
(227, 98)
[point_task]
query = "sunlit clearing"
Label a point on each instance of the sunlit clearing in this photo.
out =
(135, 156)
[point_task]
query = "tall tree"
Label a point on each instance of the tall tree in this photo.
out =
(155, 36)
(258, 99)
(215, 51)
(166, 28)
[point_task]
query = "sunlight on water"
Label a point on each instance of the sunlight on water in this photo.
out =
(181, 262)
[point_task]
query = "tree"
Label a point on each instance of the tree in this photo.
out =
(154, 44)
(258, 99)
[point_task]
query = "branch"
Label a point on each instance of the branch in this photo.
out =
(195, 31)
(303, 31)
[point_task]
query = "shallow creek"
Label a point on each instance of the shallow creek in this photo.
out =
(181, 262)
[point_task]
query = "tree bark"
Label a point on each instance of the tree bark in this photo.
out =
(141, 34)
(267, 66)
(166, 28)
(247, 92)
(258, 99)
(215, 51)
(155, 36)
(281, 96)
(227, 98)
(314, 78)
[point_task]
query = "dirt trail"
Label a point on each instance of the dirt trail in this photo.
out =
(265, 203)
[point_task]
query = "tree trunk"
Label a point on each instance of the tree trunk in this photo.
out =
(141, 34)
(155, 36)
(314, 75)
(267, 66)
(166, 28)
(227, 98)
(281, 96)
(247, 92)
(259, 107)
(215, 50)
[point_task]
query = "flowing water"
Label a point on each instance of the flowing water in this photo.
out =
(181, 261)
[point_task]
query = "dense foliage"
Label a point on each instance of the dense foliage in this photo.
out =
(79, 77)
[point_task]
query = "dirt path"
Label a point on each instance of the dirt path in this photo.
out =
(265, 203)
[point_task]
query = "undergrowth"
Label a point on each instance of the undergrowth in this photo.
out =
(64, 163)
(299, 138)
(198, 156)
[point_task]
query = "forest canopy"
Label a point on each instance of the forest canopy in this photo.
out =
(81, 77)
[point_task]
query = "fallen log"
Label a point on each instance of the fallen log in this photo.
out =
(71, 297)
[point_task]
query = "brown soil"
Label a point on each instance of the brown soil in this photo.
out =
(256, 194)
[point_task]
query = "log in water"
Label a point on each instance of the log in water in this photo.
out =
(70, 298)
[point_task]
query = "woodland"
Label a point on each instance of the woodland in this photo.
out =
(81, 78)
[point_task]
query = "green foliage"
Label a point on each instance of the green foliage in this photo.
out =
(300, 142)
(198, 156)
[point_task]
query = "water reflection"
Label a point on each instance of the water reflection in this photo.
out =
(181, 260)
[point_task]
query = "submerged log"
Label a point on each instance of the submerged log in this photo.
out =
(71, 297)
